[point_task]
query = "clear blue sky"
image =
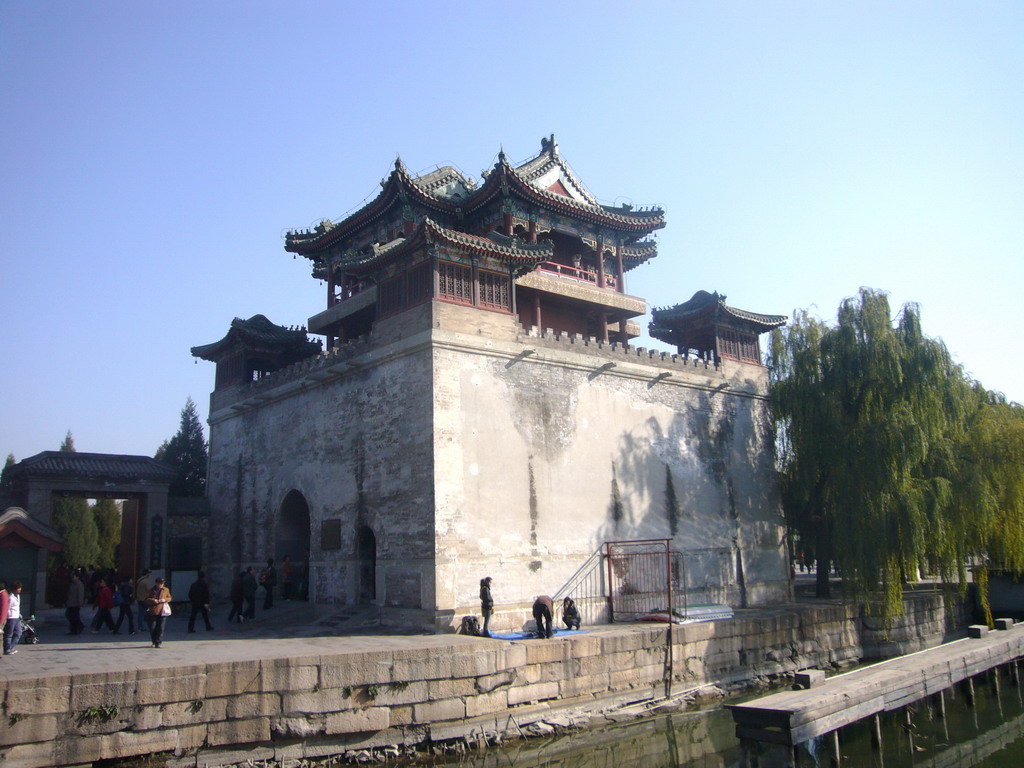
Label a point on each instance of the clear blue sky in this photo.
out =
(152, 156)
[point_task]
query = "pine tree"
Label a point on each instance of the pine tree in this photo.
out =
(74, 520)
(107, 514)
(187, 452)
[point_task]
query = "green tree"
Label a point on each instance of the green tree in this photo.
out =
(187, 451)
(869, 413)
(74, 520)
(107, 513)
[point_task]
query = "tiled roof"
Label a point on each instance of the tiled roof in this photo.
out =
(15, 520)
(435, 192)
(704, 307)
(259, 333)
(90, 465)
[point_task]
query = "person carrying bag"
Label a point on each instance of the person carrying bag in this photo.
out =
(159, 602)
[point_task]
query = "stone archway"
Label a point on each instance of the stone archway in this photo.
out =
(292, 540)
(366, 555)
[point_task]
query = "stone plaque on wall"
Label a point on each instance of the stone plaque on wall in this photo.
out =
(156, 542)
(330, 534)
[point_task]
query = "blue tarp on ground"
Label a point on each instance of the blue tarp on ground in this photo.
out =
(533, 635)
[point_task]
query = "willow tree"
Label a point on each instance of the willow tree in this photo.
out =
(865, 410)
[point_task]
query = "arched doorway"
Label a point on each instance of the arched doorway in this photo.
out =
(366, 554)
(292, 537)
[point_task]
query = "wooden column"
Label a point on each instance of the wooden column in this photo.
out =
(603, 327)
(623, 335)
(476, 284)
(536, 312)
(330, 287)
(533, 231)
(600, 264)
(507, 220)
(619, 269)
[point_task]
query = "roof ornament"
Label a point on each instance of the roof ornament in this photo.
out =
(549, 145)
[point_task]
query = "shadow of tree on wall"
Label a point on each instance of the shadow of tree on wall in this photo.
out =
(703, 478)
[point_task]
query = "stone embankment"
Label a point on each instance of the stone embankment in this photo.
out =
(227, 702)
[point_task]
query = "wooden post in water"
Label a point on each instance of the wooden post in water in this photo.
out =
(834, 745)
(908, 724)
(876, 738)
(998, 690)
(942, 714)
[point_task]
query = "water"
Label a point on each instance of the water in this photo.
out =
(987, 734)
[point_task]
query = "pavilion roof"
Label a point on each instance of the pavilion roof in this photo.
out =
(705, 309)
(544, 180)
(261, 335)
(508, 249)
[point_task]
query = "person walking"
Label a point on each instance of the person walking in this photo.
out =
(103, 603)
(543, 607)
(199, 597)
(5, 605)
(249, 593)
(142, 587)
(124, 596)
(12, 629)
(486, 605)
(287, 578)
(236, 599)
(73, 606)
(268, 580)
(159, 602)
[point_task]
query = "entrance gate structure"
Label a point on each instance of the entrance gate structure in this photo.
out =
(140, 480)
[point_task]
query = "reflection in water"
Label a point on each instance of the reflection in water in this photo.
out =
(980, 730)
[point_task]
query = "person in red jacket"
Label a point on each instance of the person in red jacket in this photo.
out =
(5, 604)
(102, 604)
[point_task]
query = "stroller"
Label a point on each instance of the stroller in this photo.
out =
(29, 636)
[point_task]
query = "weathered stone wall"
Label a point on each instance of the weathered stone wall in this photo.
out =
(358, 449)
(444, 687)
(473, 448)
(543, 457)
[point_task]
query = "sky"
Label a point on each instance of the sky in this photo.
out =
(153, 155)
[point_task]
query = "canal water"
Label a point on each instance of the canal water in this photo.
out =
(980, 730)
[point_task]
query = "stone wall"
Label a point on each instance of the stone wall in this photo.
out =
(471, 447)
(427, 689)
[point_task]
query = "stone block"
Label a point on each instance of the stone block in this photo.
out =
(324, 700)
(253, 705)
(282, 677)
(809, 678)
(474, 664)
(232, 678)
(297, 726)
(444, 709)
(251, 731)
(487, 703)
(42, 700)
(342, 671)
(247, 755)
(424, 668)
(595, 665)
(1004, 624)
(488, 683)
(977, 630)
(358, 720)
(515, 656)
(179, 713)
(448, 689)
(167, 689)
(543, 651)
(191, 737)
(401, 715)
(146, 718)
(35, 755)
(522, 694)
(579, 686)
(116, 694)
(30, 728)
